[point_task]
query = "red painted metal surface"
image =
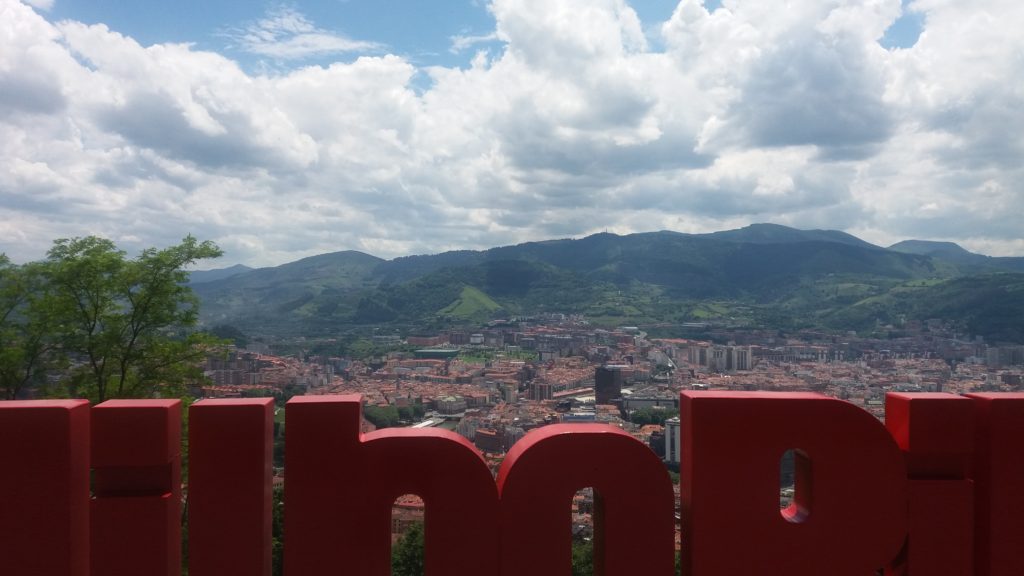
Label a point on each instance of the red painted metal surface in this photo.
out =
(136, 505)
(940, 538)
(934, 431)
(946, 473)
(998, 474)
(634, 518)
(44, 488)
(850, 513)
(229, 488)
(340, 486)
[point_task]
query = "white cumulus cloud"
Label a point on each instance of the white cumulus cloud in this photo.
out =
(577, 122)
(286, 34)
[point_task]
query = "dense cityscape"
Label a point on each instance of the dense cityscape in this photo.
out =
(495, 384)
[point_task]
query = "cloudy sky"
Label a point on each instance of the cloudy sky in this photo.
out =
(282, 130)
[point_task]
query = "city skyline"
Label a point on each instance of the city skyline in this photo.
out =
(286, 130)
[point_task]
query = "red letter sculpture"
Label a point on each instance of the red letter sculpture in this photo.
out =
(230, 497)
(634, 524)
(849, 516)
(44, 488)
(934, 431)
(136, 506)
(998, 473)
(340, 486)
(937, 494)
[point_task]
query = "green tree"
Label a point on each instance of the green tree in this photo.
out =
(362, 349)
(405, 413)
(407, 555)
(582, 558)
(277, 551)
(382, 416)
(127, 320)
(644, 416)
(26, 348)
(232, 333)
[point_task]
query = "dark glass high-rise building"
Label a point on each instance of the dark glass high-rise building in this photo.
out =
(607, 383)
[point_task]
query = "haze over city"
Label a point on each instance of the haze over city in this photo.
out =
(282, 130)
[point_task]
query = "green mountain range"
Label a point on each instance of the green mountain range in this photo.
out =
(950, 252)
(763, 275)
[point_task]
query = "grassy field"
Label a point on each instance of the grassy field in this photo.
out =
(471, 304)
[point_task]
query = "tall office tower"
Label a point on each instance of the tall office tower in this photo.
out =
(607, 383)
(672, 440)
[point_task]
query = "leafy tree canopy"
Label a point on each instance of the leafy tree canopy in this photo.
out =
(232, 333)
(646, 416)
(407, 555)
(123, 325)
(25, 350)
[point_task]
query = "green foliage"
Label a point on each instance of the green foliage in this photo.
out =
(312, 292)
(954, 254)
(374, 309)
(126, 319)
(472, 304)
(381, 416)
(392, 416)
(26, 349)
(232, 333)
(484, 355)
(279, 442)
(645, 416)
(761, 276)
(407, 554)
(123, 324)
(582, 558)
(363, 349)
(990, 305)
(411, 413)
(277, 532)
(186, 403)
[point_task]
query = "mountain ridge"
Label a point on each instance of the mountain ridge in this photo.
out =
(201, 276)
(763, 273)
(954, 253)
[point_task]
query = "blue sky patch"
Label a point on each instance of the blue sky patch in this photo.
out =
(905, 31)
